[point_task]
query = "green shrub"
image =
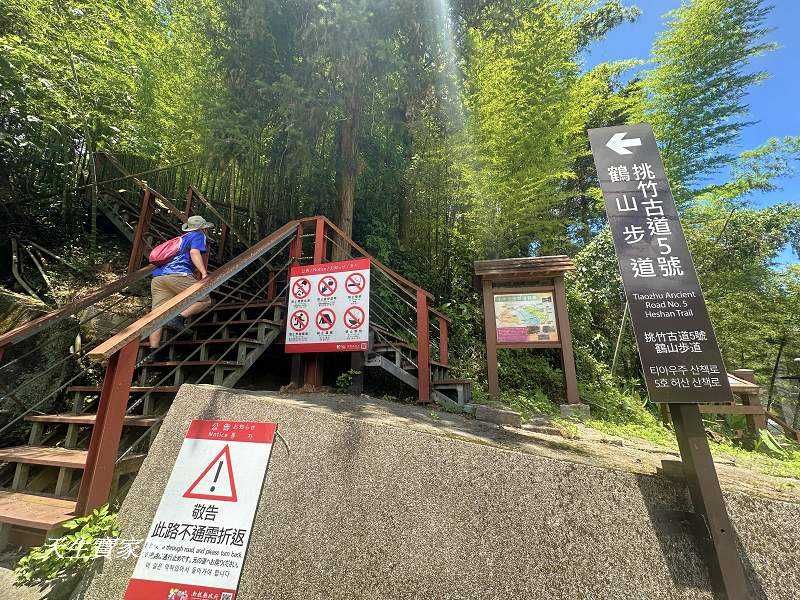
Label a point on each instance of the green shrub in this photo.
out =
(67, 558)
(345, 380)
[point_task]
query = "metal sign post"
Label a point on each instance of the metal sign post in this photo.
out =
(681, 360)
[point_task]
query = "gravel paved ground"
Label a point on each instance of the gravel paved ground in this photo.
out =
(380, 500)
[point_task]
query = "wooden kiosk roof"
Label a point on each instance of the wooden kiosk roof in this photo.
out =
(517, 268)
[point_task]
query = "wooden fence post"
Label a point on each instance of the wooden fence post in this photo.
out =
(189, 201)
(98, 473)
(313, 371)
(565, 336)
(423, 348)
(145, 213)
(755, 423)
(443, 340)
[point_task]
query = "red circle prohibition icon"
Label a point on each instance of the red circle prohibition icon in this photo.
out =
(354, 317)
(301, 288)
(327, 285)
(355, 283)
(326, 319)
(299, 320)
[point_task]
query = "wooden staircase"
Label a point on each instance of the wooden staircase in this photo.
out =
(400, 360)
(89, 450)
(43, 488)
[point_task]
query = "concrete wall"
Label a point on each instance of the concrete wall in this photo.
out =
(361, 508)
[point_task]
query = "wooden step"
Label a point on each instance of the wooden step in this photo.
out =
(40, 455)
(58, 457)
(193, 363)
(136, 389)
(451, 382)
(210, 341)
(89, 419)
(246, 305)
(238, 322)
(34, 510)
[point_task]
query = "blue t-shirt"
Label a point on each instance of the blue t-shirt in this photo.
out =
(182, 263)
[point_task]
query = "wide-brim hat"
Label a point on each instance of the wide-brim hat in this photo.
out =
(196, 222)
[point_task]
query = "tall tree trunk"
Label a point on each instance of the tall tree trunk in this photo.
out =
(347, 149)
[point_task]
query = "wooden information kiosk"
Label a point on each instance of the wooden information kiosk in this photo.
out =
(525, 306)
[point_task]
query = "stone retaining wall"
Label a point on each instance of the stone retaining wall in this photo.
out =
(362, 509)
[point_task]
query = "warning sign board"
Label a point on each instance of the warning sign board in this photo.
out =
(329, 307)
(196, 545)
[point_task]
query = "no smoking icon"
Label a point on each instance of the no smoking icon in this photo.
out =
(354, 317)
(299, 320)
(327, 286)
(301, 288)
(355, 283)
(326, 319)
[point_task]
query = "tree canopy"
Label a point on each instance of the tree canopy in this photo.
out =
(437, 133)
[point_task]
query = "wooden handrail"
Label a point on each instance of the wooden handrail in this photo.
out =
(393, 274)
(163, 199)
(389, 272)
(23, 332)
(217, 214)
(160, 315)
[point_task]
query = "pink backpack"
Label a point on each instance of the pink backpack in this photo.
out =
(165, 251)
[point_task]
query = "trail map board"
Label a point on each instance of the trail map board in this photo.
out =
(329, 307)
(527, 317)
(680, 357)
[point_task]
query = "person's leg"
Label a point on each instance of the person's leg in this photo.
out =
(160, 292)
(197, 307)
(155, 338)
(180, 284)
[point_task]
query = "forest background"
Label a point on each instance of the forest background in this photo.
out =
(437, 132)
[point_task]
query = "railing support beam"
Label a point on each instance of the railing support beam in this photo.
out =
(298, 362)
(223, 240)
(423, 348)
(98, 474)
(189, 201)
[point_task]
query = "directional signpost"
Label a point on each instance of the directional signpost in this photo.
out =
(681, 361)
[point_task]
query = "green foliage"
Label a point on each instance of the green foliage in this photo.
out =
(767, 441)
(696, 92)
(446, 136)
(66, 558)
(344, 380)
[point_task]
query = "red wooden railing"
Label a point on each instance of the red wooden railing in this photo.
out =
(120, 351)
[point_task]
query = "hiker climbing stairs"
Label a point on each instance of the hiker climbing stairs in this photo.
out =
(87, 451)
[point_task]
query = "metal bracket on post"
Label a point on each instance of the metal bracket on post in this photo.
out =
(725, 566)
(98, 473)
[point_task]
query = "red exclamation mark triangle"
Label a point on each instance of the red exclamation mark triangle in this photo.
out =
(225, 456)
